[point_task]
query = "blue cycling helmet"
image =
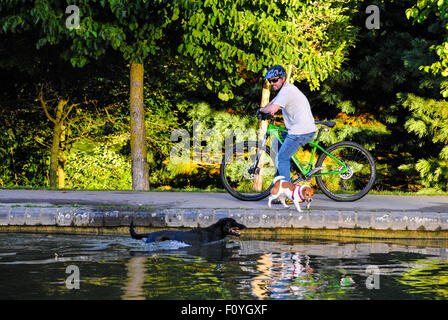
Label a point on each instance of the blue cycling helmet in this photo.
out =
(275, 71)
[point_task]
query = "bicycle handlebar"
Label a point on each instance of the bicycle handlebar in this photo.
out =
(264, 116)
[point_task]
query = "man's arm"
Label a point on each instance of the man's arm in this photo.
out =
(271, 108)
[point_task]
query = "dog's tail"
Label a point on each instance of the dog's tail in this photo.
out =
(277, 178)
(134, 234)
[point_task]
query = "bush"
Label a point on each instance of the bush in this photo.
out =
(100, 168)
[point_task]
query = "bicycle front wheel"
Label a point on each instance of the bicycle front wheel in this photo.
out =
(240, 178)
(351, 176)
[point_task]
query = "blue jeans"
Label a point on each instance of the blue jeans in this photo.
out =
(290, 146)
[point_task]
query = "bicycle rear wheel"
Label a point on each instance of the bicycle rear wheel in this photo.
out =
(353, 184)
(236, 175)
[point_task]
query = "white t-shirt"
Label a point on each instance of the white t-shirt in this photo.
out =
(296, 110)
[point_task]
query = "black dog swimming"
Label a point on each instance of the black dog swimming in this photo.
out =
(215, 232)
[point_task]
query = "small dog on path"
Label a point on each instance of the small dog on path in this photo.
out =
(297, 193)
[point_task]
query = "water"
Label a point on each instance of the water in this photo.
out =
(37, 266)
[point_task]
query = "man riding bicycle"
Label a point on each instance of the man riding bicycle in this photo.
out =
(297, 116)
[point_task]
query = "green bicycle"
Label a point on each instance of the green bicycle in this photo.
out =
(345, 171)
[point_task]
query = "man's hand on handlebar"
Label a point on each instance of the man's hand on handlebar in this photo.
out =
(263, 116)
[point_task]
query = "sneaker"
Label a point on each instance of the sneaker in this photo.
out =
(277, 201)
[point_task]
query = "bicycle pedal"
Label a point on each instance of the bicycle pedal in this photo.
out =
(315, 170)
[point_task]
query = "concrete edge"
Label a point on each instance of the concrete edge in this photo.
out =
(268, 219)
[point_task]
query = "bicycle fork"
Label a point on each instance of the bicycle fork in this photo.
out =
(254, 168)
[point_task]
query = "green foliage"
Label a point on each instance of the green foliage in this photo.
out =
(436, 11)
(360, 128)
(203, 62)
(23, 161)
(232, 41)
(221, 122)
(429, 121)
(366, 98)
(99, 168)
(161, 119)
(133, 28)
(207, 130)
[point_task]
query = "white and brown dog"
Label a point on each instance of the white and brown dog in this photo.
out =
(297, 193)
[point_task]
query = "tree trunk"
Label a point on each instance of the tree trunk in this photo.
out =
(56, 171)
(289, 73)
(58, 147)
(54, 155)
(140, 171)
(62, 158)
(262, 127)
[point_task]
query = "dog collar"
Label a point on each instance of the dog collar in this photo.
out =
(299, 192)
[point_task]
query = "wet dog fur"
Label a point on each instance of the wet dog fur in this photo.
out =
(217, 231)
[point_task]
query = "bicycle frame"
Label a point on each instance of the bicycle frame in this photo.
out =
(250, 179)
(275, 131)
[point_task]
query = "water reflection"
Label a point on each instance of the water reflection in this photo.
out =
(133, 289)
(287, 273)
(429, 278)
(33, 266)
(283, 275)
(340, 271)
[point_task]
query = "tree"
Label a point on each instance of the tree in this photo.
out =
(382, 94)
(58, 156)
(231, 41)
(435, 12)
(224, 44)
(22, 160)
(133, 28)
(429, 115)
(429, 122)
(43, 82)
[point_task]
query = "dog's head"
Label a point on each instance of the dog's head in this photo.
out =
(230, 227)
(308, 194)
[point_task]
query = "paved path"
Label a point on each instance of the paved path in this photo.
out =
(206, 200)
(190, 209)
